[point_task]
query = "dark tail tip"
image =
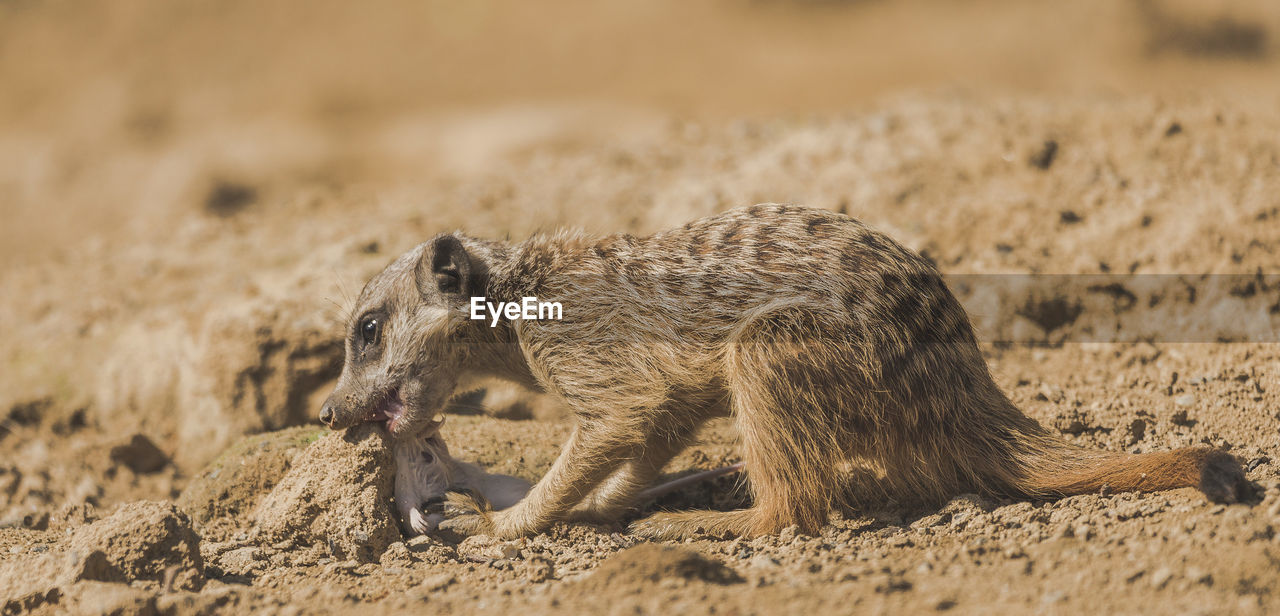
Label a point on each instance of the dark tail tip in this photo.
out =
(1222, 479)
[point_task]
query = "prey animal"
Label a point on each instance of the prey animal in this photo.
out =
(848, 367)
(425, 472)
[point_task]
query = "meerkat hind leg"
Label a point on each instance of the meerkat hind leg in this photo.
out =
(783, 399)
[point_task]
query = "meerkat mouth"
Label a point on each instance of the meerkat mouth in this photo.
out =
(388, 410)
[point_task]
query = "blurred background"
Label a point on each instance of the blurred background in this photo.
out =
(193, 192)
(121, 115)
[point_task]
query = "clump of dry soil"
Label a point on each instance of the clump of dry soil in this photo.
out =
(337, 493)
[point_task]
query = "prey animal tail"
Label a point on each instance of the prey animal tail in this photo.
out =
(663, 489)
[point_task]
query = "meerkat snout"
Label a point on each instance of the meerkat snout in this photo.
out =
(403, 349)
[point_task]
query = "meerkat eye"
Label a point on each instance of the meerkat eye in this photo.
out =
(370, 328)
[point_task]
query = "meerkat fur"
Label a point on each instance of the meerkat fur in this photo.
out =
(827, 343)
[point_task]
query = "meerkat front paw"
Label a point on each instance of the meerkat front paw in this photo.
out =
(466, 513)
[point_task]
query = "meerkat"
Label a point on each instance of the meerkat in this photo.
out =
(830, 345)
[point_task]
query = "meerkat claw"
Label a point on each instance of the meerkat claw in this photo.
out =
(466, 513)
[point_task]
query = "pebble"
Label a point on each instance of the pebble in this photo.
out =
(1161, 577)
(1082, 532)
(437, 582)
(140, 454)
(421, 541)
(343, 566)
(1185, 400)
(1199, 576)
(506, 551)
(241, 561)
(762, 561)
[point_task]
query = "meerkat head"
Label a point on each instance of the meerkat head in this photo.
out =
(403, 352)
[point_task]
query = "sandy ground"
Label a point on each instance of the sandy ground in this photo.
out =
(189, 215)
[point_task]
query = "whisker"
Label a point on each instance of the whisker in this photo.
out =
(348, 312)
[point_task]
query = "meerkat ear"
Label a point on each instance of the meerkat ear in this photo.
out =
(448, 269)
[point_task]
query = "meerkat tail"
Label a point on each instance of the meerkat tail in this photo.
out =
(1063, 470)
(663, 489)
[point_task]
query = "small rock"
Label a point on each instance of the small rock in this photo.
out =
(144, 540)
(93, 597)
(346, 566)
(140, 454)
(36, 521)
(1082, 532)
(92, 566)
(1199, 576)
(1043, 158)
(1137, 431)
(420, 543)
(438, 582)
(1161, 577)
(10, 480)
(397, 555)
(538, 569)
(71, 516)
(508, 550)
(227, 198)
(29, 582)
(1185, 400)
(205, 602)
(638, 569)
(891, 583)
(241, 561)
(934, 519)
(788, 534)
(762, 562)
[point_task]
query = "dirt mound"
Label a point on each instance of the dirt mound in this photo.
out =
(337, 494)
(214, 380)
(220, 498)
(107, 566)
(34, 581)
(637, 569)
(146, 541)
